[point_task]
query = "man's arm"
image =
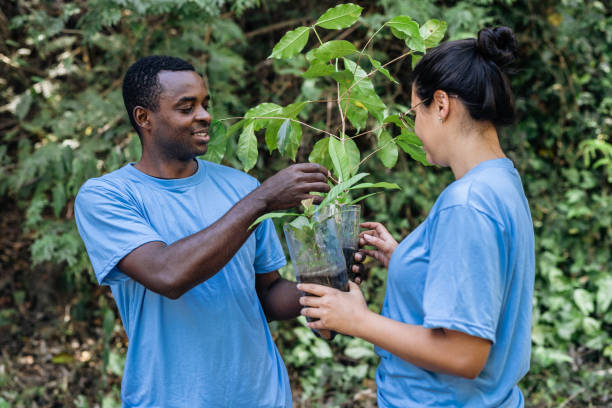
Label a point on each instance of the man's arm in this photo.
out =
(172, 270)
(279, 297)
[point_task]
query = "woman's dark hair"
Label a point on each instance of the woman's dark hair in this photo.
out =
(141, 85)
(474, 70)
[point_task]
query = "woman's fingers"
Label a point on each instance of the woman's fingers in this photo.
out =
(375, 241)
(315, 289)
(314, 312)
(371, 225)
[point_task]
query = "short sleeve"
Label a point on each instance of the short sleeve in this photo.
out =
(269, 254)
(465, 281)
(111, 227)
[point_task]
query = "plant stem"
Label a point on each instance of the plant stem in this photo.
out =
(278, 117)
(373, 153)
(341, 114)
(366, 46)
(317, 34)
(348, 92)
(369, 131)
(375, 70)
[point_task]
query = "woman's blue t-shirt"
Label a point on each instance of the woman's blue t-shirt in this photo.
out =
(468, 267)
(211, 347)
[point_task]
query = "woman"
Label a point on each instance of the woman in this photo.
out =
(455, 325)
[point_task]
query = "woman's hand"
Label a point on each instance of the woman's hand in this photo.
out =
(378, 237)
(336, 310)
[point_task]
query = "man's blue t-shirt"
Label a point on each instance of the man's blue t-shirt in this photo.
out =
(469, 267)
(211, 347)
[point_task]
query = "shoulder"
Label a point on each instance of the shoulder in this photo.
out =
(114, 184)
(473, 194)
(220, 172)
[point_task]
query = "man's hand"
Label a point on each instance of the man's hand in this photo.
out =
(288, 187)
(358, 269)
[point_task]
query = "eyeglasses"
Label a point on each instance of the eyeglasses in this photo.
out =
(408, 118)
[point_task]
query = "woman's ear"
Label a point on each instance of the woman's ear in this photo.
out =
(142, 116)
(441, 104)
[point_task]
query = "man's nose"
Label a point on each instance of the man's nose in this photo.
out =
(203, 115)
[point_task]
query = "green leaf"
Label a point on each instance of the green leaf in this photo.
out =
(353, 154)
(247, 147)
(320, 153)
(321, 349)
(382, 70)
(108, 323)
(59, 198)
(300, 222)
(404, 27)
(408, 136)
(357, 114)
(344, 77)
(294, 109)
(338, 157)
(340, 188)
(318, 68)
(291, 43)
(416, 44)
(393, 119)
(584, 301)
(218, 142)
(382, 184)
(363, 92)
(358, 199)
(432, 32)
(24, 102)
(415, 59)
(62, 358)
(411, 144)
(263, 110)
(272, 215)
(388, 153)
(604, 294)
(272, 133)
(289, 138)
(341, 16)
(234, 128)
(334, 49)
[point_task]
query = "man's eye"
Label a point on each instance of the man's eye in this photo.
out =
(186, 110)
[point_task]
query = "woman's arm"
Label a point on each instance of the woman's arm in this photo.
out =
(439, 350)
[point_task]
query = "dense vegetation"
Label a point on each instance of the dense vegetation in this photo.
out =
(62, 121)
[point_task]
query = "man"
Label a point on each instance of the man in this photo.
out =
(170, 236)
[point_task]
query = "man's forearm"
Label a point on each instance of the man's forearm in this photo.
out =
(172, 270)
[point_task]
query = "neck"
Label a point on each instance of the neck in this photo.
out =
(473, 148)
(165, 168)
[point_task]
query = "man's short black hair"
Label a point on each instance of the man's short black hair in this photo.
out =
(141, 85)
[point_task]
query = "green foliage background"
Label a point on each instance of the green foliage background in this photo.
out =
(62, 121)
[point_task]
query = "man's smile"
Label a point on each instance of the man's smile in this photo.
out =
(202, 134)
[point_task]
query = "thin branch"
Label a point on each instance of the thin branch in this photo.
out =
(317, 34)
(373, 153)
(274, 27)
(376, 70)
(369, 131)
(340, 109)
(278, 117)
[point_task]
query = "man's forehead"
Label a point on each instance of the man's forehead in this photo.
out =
(176, 84)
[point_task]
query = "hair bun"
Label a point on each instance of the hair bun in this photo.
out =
(497, 44)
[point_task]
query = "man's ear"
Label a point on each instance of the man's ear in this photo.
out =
(142, 116)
